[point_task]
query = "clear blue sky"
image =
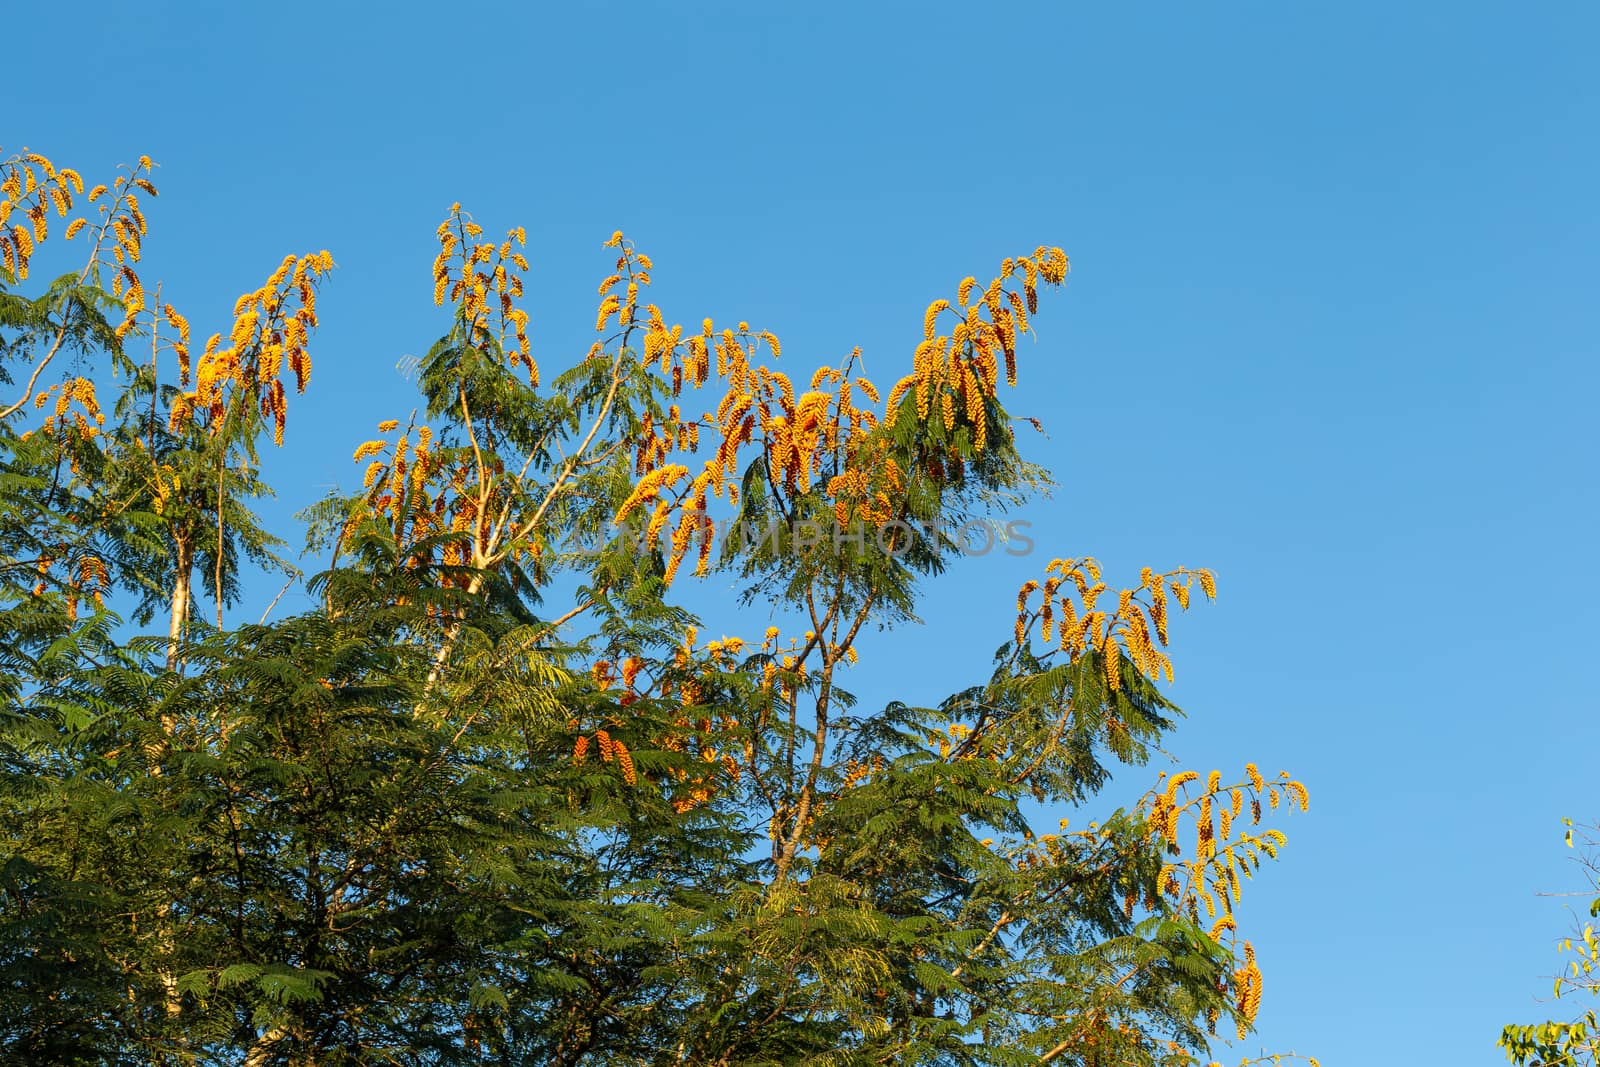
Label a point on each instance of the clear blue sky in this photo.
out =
(1331, 330)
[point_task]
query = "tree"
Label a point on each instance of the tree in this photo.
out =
(1578, 1041)
(436, 820)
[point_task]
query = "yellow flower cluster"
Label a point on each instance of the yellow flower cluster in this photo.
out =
(1137, 626)
(421, 494)
(1222, 857)
(819, 431)
(124, 223)
(271, 328)
(648, 488)
(611, 750)
(31, 186)
(657, 441)
(1165, 810)
(1247, 990)
(92, 580)
(717, 767)
(484, 279)
(74, 390)
(950, 740)
(694, 731)
(165, 483)
(681, 361)
(869, 497)
(961, 370)
(801, 437)
(858, 772)
(1054, 850)
(821, 434)
(694, 788)
(180, 347)
(121, 230)
(756, 397)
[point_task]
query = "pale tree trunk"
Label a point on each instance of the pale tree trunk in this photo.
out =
(452, 633)
(180, 597)
(262, 1048)
(175, 629)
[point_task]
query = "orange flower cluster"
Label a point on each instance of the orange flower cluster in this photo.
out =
(1138, 625)
(611, 750)
(823, 434)
(271, 328)
(1222, 857)
(961, 370)
(698, 734)
(420, 492)
(1247, 990)
(74, 390)
(1164, 808)
(92, 580)
(710, 738)
(857, 772)
(485, 280)
(605, 674)
(699, 788)
(32, 186)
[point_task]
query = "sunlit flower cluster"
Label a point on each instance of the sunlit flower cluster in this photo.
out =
(611, 750)
(826, 433)
(1137, 626)
(92, 581)
(1223, 855)
(420, 491)
(958, 372)
(31, 187)
(483, 279)
(82, 424)
(704, 733)
(271, 328)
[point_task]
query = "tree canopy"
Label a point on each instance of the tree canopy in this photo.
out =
(1575, 1041)
(439, 819)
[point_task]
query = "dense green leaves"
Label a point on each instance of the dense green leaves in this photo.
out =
(442, 818)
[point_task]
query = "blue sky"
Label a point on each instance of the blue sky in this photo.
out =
(1330, 331)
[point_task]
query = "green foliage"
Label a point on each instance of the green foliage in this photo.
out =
(436, 820)
(1577, 1041)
